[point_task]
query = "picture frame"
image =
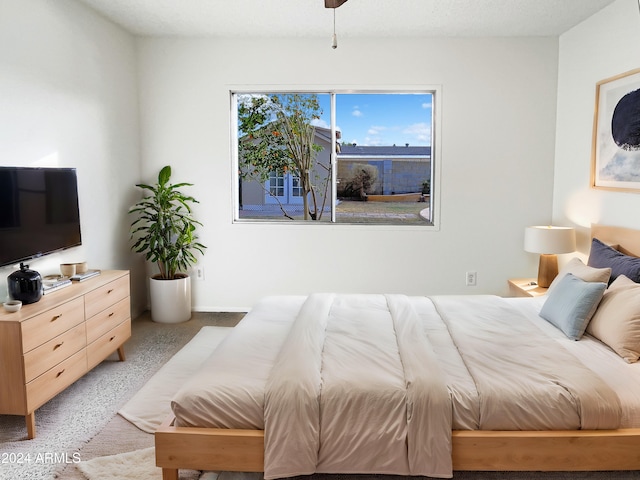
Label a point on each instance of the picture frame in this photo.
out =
(615, 152)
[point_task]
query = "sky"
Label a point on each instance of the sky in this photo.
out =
(381, 119)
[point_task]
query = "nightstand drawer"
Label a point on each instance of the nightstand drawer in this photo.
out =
(43, 327)
(107, 319)
(40, 359)
(108, 343)
(55, 380)
(101, 298)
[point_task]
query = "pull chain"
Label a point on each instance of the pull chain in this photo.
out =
(334, 38)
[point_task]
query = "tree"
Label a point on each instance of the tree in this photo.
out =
(278, 136)
(359, 182)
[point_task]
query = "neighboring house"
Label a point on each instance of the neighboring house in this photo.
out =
(285, 189)
(400, 169)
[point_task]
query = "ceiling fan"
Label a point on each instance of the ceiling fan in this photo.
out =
(333, 3)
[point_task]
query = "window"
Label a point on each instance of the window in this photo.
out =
(276, 185)
(335, 157)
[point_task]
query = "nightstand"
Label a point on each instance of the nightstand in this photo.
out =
(522, 287)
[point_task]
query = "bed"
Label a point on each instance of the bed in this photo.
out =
(428, 415)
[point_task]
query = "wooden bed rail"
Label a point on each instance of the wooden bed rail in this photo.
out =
(207, 449)
(556, 450)
(475, 450)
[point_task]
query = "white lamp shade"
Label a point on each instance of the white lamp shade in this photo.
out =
(549, 239)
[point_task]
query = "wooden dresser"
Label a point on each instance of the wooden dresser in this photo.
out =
(48, 345)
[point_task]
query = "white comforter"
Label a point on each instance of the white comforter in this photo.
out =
(375, 384)
(357, 388)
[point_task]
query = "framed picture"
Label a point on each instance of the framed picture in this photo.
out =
(615, 153)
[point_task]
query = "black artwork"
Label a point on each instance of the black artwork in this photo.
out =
(625, 122)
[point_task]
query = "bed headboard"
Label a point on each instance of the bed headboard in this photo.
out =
(627, 239)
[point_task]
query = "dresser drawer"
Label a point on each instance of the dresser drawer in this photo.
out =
(40, 359)
(43, 327)
(107, 319)
(56, 379)
(108, 343)
(105, 296)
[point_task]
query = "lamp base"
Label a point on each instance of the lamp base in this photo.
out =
(547, 269)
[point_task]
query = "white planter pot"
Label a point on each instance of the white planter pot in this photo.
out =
(170, 300)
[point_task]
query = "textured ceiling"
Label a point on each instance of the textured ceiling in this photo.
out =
(356, 18)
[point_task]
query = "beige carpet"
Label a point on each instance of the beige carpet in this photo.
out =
(135, 457)
(136, 465)
(146, 410)
(140, 465)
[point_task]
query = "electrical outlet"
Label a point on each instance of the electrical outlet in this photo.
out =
(472, 279)
(198, 273)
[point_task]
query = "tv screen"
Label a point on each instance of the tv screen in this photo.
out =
(38, 212)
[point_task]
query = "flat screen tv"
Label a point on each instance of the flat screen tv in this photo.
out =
(38, 212)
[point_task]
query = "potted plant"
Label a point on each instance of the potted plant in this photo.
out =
(165, 232)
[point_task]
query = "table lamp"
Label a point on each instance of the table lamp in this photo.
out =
(549, 241)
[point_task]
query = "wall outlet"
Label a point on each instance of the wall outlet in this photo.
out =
(472, 279)
(198, 273)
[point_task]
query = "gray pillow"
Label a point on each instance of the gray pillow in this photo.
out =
(571, 304)
(602, 255)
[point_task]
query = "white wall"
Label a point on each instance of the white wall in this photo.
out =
(498, 140)
(603, 46)
(68, 97)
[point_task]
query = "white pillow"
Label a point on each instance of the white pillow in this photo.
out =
(582, 271)
(616, 322)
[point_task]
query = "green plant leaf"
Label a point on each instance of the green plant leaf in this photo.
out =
(163, 228)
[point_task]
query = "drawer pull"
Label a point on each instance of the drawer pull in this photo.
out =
(56, 318)
(58, 345)
(60, 373)
(109, 291)
(111, 314)
(111, 339)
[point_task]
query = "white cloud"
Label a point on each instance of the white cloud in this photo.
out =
(376, 129)
(356, 112)
(421, 131)
(318, 122)
(372, 142)
(427, 105)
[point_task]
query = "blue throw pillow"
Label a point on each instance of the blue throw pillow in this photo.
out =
(571, 304)
(603, 256)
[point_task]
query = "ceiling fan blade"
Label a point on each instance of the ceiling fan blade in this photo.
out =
(333, 3)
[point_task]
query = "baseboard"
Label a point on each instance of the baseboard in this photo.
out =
(217, 309)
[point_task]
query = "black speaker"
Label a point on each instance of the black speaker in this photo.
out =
(25, 285)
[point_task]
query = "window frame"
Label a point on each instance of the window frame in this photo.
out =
(436, 135)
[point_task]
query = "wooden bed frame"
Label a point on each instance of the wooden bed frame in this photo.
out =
(476, 450)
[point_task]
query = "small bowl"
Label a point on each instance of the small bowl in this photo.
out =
(68, 269)
(81, 268)
(12, 305)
